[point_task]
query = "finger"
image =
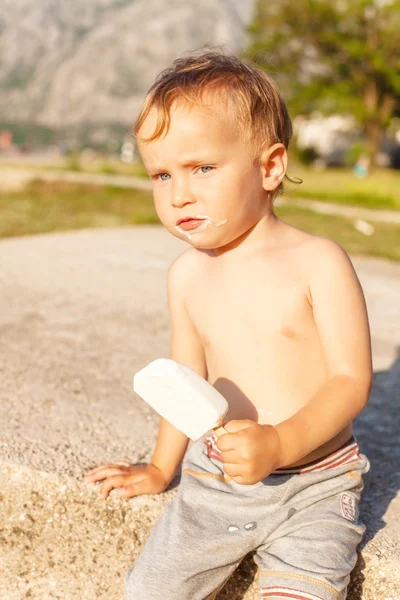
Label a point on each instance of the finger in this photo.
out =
(104, 472)
(135, 489)
(233, 470)
(122, 463)
(241, 479)
(111, 483)
(95, 469)
(123, 481)
(226, 442)
(230, 456)
(98, 469)
(238, 425)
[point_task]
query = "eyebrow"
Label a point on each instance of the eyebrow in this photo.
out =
(187, 162)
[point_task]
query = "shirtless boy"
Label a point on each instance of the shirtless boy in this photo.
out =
(275, 319)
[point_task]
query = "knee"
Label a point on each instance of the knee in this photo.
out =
(134, 589)
(129, 591)
(140, 585)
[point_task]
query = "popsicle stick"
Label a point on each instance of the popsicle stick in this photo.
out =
(219, 431)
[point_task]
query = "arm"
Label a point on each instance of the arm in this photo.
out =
(186, 348)
(253, 451)
(341, 319)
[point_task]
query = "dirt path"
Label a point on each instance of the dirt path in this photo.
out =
(79, 314)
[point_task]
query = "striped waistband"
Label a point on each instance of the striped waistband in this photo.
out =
(348, 453)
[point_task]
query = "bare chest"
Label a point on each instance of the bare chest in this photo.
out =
(259, 336)
(254, 307)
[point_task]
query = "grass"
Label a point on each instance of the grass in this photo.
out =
(384, 243)
(380, 190)
(46, 207)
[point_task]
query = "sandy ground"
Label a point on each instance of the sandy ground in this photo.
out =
(79, 314)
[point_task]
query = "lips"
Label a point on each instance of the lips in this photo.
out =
(189, 223)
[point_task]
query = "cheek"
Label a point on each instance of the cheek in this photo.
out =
(160, 206)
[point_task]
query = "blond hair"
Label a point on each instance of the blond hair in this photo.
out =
(249, 93)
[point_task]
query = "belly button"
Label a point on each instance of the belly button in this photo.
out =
(287, 332)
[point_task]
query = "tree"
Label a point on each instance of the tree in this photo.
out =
(334, 56)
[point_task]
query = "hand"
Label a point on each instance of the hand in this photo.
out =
(250, 451)
(132, 480)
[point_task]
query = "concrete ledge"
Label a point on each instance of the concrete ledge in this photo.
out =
(60, 541)
(79, 314)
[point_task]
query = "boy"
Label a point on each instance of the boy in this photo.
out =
(275, 319)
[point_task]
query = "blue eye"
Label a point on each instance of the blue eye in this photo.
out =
(206, 169)
(164, 176)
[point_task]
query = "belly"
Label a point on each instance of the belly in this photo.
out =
(267, 382)
(270, 383)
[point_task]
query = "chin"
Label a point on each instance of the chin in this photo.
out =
(198, 240)
(199, 244)
(202, 245)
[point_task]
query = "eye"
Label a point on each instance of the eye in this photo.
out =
(162, 176)
(206, 169)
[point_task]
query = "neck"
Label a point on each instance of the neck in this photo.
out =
(261, 235)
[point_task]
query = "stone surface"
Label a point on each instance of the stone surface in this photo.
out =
(79, 314)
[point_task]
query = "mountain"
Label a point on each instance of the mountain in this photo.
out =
(73, 62)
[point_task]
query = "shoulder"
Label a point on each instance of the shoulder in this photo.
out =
(318, 253)
(328, 267)
(309, 254)
(184, 268)
(185, 263)
(329, 248)
(302, 245)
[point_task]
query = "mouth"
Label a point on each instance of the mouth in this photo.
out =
(189, 223)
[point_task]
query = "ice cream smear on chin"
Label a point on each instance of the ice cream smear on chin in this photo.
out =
(197, 224)
(181, 396)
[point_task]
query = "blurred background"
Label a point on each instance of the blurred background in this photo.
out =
(73, 76)
(84, 308)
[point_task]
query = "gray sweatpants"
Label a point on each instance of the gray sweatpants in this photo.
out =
(303, 525)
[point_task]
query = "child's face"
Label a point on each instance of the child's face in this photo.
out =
(207, 188)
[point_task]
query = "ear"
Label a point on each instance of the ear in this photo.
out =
(273, 164)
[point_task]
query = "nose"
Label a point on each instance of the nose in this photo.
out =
(181, 196)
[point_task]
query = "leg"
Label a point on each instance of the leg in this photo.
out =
(190, 552)
(311, 555)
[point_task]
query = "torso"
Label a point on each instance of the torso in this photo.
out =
(262, 348)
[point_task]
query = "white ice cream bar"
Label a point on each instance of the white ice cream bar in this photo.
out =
(181, 396)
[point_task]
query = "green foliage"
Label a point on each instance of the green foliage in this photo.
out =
(306, 156)
(73, 162)
(380, 190)
(107, 169)
(339, 56)
(355, 151)
(29, 133)
(85, 135)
